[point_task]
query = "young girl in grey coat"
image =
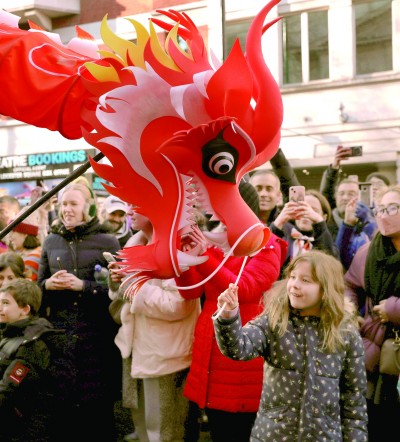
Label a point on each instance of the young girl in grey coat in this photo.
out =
(314, 374)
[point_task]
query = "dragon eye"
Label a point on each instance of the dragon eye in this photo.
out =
(220, 159)
(221, 163)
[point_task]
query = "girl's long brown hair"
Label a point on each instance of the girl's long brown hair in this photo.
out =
(336, 312)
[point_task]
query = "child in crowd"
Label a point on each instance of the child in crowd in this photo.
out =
(24, 239)
(24, 359)
(314, 378)
(12, 266)
(155, 340)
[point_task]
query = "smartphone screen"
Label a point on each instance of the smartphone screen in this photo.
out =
(366, 193)
(296, 193)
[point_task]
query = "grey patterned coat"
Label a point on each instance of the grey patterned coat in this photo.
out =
(307, 395)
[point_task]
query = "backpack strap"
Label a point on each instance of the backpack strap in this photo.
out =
(10, 346)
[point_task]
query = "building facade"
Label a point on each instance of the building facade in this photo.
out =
(337, 63)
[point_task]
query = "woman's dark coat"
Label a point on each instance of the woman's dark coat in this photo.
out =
(84, 315)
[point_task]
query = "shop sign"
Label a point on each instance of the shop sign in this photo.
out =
(46, 165)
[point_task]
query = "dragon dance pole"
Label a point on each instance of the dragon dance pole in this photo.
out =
(75, 174)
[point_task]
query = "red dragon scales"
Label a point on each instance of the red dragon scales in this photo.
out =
(176, 131)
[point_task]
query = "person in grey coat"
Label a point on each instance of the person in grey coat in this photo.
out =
(314, 375)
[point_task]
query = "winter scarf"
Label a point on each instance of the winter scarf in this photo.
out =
(382, 277)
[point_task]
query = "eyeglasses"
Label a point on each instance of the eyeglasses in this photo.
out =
(391, 209)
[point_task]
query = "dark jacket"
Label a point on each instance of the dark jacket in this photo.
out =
(285, 172)
(26, 396)
(85, 317)
(308, 394)
(329, 180)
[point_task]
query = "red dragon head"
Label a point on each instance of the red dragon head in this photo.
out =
(176, 131)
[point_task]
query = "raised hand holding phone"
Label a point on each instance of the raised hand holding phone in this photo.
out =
(115, 274)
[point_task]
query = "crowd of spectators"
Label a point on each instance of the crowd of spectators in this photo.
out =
(161, 352)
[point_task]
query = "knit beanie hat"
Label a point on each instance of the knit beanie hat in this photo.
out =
(380, 176)
(250, 196)
(28, 225)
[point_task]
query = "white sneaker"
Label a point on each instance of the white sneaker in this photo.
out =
(131, 436)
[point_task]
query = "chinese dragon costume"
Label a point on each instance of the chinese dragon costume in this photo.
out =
(176, 130)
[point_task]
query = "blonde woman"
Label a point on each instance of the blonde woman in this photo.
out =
(76, 303)
(314, 376)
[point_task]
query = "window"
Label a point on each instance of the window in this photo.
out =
(305, 47)
(373, 23)
(235, 30)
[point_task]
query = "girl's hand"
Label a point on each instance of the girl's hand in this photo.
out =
(306, 211)
(230, 297)
(288, 212)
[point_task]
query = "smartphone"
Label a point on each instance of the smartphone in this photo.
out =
(109, 257)
(297, 193)
(366, 193)
(356, 151)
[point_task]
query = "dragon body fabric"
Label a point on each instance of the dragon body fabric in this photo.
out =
(176, 131)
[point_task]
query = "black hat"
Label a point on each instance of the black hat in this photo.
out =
(250, 196)
(380, 176)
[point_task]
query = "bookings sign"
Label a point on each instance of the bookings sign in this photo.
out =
(42, 165)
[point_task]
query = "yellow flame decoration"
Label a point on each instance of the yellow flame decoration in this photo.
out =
(102, 73)
(159, 52)
(124, 50)
(136, 52)
(173, 35)
(119, 45)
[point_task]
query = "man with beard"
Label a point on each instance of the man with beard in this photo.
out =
(9, 207)
(116, 219)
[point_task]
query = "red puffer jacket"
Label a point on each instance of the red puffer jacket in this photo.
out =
(214, 381)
